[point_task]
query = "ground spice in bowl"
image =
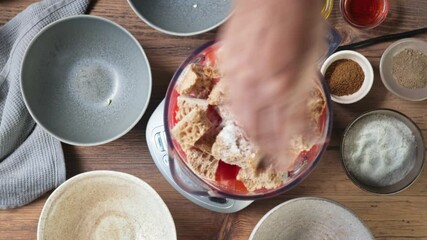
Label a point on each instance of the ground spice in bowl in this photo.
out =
(409, 68)
(344, 77)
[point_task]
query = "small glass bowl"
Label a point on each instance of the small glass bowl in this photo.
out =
(381, 16)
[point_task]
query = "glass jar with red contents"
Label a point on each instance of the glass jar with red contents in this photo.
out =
(364, 14)
(226, 184)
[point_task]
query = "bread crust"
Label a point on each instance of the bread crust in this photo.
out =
(218, 94)
(187, 104)
(233, 147)
(254, 180)
(203, 164)
(191, 128)
(194, 83)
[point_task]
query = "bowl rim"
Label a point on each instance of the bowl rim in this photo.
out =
(327, 8)
(381, 20)
(265, 216)
(96, 18)
(370, 81)
(173, 33)
(218, 191)
(360, 184)
(381, 67)
(56, 194)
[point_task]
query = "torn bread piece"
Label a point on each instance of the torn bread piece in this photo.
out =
(206, 142)
(202, 163)
(218, 94)
(194, 83)
(305, 141)
(257, 180)
(187, 104)
(316, 105)
(209, 71)
(299, 144)
(191, 128)
(225, 114)
(232, 147)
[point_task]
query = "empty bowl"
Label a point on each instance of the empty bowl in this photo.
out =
(85, 80)
(386, 69)
(310, 218)
(384, 172)
(105, 205)
(367, 70)
(182, 18)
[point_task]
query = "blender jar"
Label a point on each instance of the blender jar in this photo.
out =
(224, 185)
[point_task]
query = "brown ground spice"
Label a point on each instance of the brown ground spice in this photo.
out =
(344, 77)
(409, 68)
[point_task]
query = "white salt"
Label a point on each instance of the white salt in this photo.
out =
(379, 150)
(229, 135)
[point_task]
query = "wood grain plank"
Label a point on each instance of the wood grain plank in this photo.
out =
(401, 216)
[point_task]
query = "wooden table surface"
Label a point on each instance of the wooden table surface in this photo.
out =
(401, 216)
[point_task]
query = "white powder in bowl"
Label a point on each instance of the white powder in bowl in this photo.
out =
(379, 150)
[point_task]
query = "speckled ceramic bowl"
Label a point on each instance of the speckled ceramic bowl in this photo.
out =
(182, 18)
(85, 80)
(105, 205)
(310, 218)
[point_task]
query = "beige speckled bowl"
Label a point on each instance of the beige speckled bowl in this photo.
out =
(310, 218)
(105, 205)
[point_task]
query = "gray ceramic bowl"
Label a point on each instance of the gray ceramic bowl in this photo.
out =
(182, 18)
(85, 80)
(414, 171)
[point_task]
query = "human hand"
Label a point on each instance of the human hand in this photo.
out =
(268, 56)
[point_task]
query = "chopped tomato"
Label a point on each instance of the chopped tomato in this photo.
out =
(226, 177)
(210, 56)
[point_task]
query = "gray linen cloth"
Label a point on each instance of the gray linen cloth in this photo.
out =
(31, 161)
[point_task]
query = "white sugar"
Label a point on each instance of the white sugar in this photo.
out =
(379, 150)
(229, 135)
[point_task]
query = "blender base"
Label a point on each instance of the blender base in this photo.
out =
(158, 146)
